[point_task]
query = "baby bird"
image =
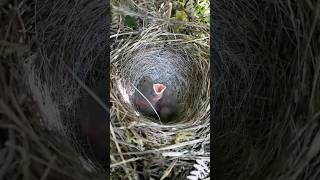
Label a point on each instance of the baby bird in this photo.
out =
(167, 107)
(156, 99)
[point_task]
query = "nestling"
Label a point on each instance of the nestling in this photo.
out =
(156, 97)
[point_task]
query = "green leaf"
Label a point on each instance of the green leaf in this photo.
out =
(181, 15)
(178, 28)
(202, 11)
(130, 22)
(182, 2)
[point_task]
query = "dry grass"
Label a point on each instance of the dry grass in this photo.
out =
(141, 148)
(28, 150)
(266, 74)
(39, 96)
(266, 90)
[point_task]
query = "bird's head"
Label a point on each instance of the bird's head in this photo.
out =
(158, 91)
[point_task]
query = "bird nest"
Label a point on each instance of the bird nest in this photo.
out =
(142, 147)
(62, 59)
(266, 91)
(63, 49)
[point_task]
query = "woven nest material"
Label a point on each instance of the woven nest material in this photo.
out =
(37, 112)
(72, 50)
(178, 73)
(75, 61)
(179, 61)
(266, 90)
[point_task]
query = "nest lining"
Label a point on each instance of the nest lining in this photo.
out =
(163, 66)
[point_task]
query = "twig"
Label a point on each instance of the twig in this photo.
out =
(46, 173)
(123, 162)
(95, 97)
(167, 147)
(147, 101)
(169, 169)
(8, 161)
(119, 150)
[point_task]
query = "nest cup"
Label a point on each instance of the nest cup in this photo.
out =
(79, 49)
(176, 70)
(181, 66)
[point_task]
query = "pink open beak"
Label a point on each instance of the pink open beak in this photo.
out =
(159, 89)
